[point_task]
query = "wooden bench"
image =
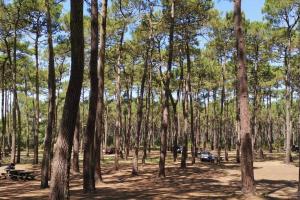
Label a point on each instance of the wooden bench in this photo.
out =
(20, 174)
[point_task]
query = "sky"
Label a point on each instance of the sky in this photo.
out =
(251, 8)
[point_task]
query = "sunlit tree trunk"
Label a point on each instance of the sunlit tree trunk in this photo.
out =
(51, 103)
(118, 126)
(61, 172)
(37, 99)
(190, 95)
(246, 147)
(139, 116)
(165, 109)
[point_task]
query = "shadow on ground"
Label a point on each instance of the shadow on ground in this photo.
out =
(199, 181)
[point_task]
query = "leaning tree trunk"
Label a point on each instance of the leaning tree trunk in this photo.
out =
(89, 136)
(246, 147)
(61, 172)
(51, 104)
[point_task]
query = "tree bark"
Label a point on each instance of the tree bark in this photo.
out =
(185, 131)
(19, 133)
(76, 144)
(222, 115)
(190, 95)
(89, 136)
(129, 127)
(270, 123)
(51, 103)
(100, 101)
(3, 107)
(15, 95)
(165, 109)
(61, 172)
(175, 122)
(246, 148)
(148, 106)
(37, 99)
(140, 113)
(118, 128)
(287, 56)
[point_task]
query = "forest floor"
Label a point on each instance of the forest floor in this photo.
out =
(274, 180)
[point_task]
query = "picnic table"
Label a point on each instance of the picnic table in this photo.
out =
(19, 174)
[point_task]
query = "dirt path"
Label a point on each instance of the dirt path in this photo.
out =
(274, 180)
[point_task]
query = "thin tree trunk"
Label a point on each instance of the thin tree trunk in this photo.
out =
(185, 131)
(37, 99)
(207, 123)
(61, 172)
(27, 114)
(100, 102)
(165, 117)
(19, 133)
(51, 104)
(149, 73)
(3, 108)
(287, 56)
(89, 136)
(222, 113)
(76, 144)
(140, 113)
(246, 148)
(148, 101)
(118, 128)
(128, 131)
(270, 129)
(15, 95)
(175, 122)
(191, 111)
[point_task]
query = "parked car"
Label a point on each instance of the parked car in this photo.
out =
(206, 156)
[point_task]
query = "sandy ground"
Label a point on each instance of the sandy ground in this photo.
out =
(274, 180)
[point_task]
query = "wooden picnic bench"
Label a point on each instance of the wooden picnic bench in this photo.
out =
(19, 174)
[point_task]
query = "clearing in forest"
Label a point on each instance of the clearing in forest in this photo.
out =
(274, 180)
